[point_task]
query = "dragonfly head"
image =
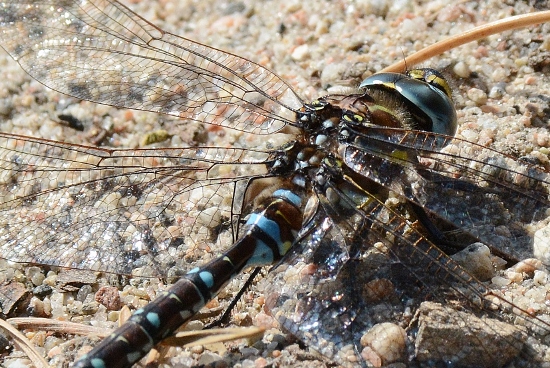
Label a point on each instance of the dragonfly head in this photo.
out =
(424, 92)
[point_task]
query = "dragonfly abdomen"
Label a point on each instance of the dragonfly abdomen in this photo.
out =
(268, 234)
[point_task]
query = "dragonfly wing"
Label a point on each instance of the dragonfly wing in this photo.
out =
(494, 197)
(115, 210)
(102, 52)
(312, 296)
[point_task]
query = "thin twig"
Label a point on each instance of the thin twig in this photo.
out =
(474, 34)
(24, 344)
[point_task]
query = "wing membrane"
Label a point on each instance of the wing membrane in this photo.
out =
(359, 272)
(102, 52)
(115, 210)
(475, 188)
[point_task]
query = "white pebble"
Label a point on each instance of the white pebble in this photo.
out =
(476, 259)
(300, 52)
(461, 69)
(541, 246)
(499, 281)
(477, 95)
(540, 277)
(387, 340)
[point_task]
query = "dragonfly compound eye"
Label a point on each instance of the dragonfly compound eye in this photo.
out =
(423, 90)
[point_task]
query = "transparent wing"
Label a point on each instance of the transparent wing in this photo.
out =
(357, 277)
(117, 210)
(499, 199)
(103, 52)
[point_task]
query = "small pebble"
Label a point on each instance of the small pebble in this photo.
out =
(476, 259)
(197, 349)
(498, 90)
(378, 290)
(461, 69)
(39, 338)
(50, 280)
(51, 345)
(193, 326)
(260, 345)
(208, 358)
(477, 95)
(113, 316)
(42, 290)
(528, 266)
(499, 281)
(540, 277)
(75, 308)
(247, 352)
(300, 52)
(83, 293)
(260, 363)
(37, 278)
(280, 339)
(272, 346)
(516, 277)
(36, 308)
(541, 245)
(388, 340)
(90, 308)
(109, 297)
(247, 363)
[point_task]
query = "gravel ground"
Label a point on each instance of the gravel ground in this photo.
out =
(318, 47)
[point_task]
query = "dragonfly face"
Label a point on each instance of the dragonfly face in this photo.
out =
(174, 204)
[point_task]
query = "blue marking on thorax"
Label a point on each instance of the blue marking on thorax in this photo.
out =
(289, 196)
(270, 227)
(263, 255)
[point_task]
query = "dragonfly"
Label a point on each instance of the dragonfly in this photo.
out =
(351, 196)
